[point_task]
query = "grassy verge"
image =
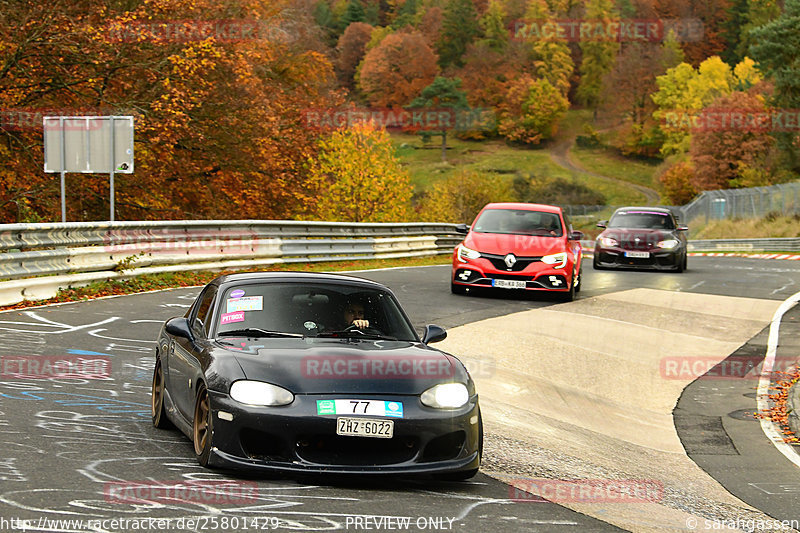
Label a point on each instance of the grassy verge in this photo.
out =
(770, 226)
(152, 282)
(607, 163)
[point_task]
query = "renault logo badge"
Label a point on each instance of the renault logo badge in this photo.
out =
(510, 260)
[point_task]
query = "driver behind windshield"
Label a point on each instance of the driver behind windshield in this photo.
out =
(354, 315)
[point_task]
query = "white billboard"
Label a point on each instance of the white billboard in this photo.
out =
(84, 144)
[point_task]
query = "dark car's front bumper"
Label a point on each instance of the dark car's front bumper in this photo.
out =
(657, 259)
(295, 438)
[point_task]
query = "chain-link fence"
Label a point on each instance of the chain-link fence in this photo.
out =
(755, 202)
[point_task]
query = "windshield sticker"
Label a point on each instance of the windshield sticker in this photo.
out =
(228, 318)
(238, 293)
(247, 303)
(643, 213)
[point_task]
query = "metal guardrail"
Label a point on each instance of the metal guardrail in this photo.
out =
(38, 259)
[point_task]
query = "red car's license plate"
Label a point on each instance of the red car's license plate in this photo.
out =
(508, 284)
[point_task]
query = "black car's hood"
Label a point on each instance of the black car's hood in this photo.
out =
(324, 366)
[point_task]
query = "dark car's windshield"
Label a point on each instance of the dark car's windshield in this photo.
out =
(309, 309)
(641, 220)
(519, 221)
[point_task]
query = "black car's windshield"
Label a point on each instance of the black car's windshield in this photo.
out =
(519, 222)
(641, 220)
(310, 310)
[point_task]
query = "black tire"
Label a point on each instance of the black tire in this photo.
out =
(685, 261)
(157, 391)
(681, 266)
(596, 263)
(579, 282)
(570, 294)
(202, 426)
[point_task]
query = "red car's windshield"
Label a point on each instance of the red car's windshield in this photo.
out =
(519, 222)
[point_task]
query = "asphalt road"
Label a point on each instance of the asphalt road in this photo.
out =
(70, 445)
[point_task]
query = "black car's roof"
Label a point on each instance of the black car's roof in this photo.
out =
(664, 210)
(296, 277)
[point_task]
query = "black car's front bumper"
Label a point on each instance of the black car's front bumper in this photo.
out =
(657, 259)
(295, 438)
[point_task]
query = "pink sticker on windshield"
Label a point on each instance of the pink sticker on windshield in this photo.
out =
(228, 318)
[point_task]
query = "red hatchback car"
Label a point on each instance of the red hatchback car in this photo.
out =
(519, 246)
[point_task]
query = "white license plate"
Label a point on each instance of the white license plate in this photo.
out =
(642, 255)
(508, 284)
(365, 427)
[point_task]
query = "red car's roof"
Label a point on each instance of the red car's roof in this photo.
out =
(519, 205)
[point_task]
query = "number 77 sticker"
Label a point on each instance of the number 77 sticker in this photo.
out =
(360, 408)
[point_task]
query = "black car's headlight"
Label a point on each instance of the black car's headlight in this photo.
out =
(668, 244)
(259, 393)
(446, 396)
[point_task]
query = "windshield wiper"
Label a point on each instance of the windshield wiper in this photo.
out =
(256, 332)
(354, 334)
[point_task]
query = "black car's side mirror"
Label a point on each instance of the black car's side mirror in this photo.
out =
(462, 228)
(602, 224)
(179, 327)
(575, 235)
(433, 333)
(683, 227)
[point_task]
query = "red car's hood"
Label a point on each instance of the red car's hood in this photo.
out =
(519, 245)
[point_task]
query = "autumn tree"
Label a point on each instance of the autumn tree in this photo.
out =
(495, 33)
(678, 183)
(683, 91)
(720, 151)
(460, 27)
(599, 54)
(357, 178)
(775, 53)
(218, 133)
(396, 71)
(351, 50)
(531, 112)
(626, 94)
(460, 197)
(550, 56)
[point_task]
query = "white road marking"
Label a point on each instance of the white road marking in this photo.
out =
(764, 381)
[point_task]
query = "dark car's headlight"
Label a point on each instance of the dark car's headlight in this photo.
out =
(608, 241)
(260, 393)
(463, 253)
(446, 396)
(668, 244)
(556, 260)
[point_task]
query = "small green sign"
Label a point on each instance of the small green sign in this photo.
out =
(326, 407)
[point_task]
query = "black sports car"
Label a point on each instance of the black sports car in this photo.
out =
(646, 237)
(314, 373)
